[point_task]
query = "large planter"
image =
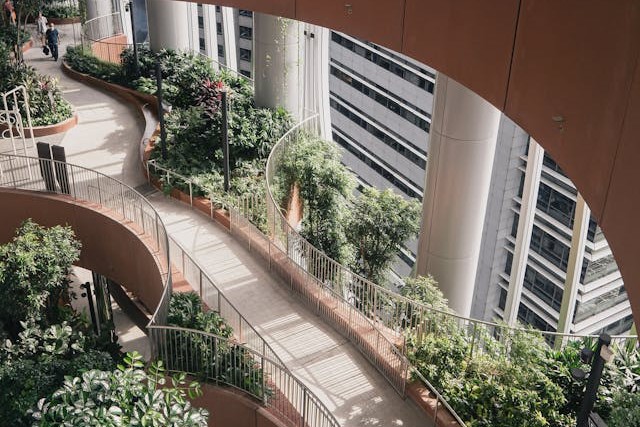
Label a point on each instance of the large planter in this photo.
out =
(47, 130)
(64, 21)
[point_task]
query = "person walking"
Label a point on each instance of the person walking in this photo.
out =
(41, 22)
(52, 40)
(9, 11)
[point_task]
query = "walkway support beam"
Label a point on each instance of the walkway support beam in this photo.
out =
(462, 142)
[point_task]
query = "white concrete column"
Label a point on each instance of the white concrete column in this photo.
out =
(168, 24)
(278, 64)
(525, 227)
(464, 129)
(316, 77)
(96, 8)
(210, 32)
(230, 37)
(574, 267)
(194, 31)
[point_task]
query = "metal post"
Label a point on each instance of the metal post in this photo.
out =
(92, 311)
(163, 131)
(225, 139)
(590, 394)
(133, 39)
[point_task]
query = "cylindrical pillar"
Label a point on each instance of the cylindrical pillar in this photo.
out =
(463, 134)
(278, 63)
(97, 8)
(168, 24)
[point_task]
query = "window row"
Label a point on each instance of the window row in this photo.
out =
(383, 62)
(376, 166)
(381, 99)
(378, 134)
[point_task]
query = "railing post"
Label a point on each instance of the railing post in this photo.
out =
(13, 173)
(122, 201)
(142, 218)
(158, 240)
(264, 381)
(200, 284)
(73, 183)
(99, 189)
(304, 407)
(190, 194)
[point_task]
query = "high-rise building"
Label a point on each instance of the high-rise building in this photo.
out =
(568, 279)
(381, 105)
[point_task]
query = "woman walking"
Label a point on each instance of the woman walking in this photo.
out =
(41, 22)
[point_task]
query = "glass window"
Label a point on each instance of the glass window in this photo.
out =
(245, 54)
(246, 32)
(221, 51)
(219, 28)
(245, 73)
(243, 12)
(201, 44)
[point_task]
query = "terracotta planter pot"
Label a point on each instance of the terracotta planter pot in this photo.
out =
(39, 131)
(64, 21)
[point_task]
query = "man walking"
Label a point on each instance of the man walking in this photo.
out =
(52, 40)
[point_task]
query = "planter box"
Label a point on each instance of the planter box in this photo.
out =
(64, 21)
(39, 131)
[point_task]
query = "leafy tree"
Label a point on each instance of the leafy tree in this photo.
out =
(325, 185)
(626, 410)
(380, 223)
(123, 397)
(33, 275)
(424, 289)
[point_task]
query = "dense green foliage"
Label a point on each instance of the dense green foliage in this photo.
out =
(516, 380)
(193, 126)
(126, 396)
(33, 275)
(57, 9)
(43, 339)
(186, 310)
(380, 222)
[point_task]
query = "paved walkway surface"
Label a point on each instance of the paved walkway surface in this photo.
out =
(107, 139)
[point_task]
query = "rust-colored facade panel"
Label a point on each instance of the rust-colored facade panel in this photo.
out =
(570, 80)
(375, 20)
(286, 8)
(108, 247)
(471, 41)
(621, 218)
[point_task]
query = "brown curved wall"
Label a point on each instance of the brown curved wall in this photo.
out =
(108, 247)
(228, 408)
(534, 60)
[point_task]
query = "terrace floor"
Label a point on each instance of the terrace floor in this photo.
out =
(107, 139)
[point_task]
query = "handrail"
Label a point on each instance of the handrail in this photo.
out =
(227, 362)
(390, 309)
(80, 183)
(210, 293)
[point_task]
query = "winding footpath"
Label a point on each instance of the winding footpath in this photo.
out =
(106, 139)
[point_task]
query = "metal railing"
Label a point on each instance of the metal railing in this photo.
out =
(11, 101)
(232, 362)
(348, 301)
(210, 293)
(105, 37)
(82, 184)
(222, 361)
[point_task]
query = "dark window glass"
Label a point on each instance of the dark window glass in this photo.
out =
(221, 51)
(200, 22)
(245, 73)
(503, 299)
(243, 12)
(219, 28)
(246, 32)
(201, 43)
(383, 62)
(245, 54)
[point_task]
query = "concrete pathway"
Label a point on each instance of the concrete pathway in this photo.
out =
(107, 139)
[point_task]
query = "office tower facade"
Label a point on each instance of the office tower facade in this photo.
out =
(568, 280)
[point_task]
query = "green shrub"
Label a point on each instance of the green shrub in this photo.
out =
(82, 60)
(626, 410)
(60, 10)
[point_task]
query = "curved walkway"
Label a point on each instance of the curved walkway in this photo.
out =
(106, 139)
